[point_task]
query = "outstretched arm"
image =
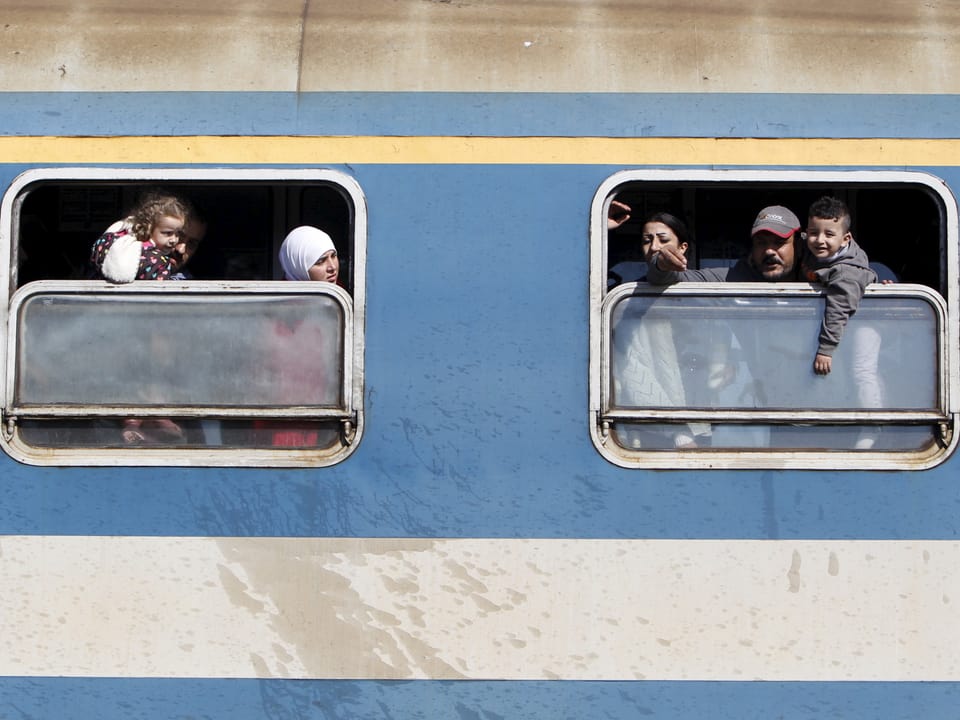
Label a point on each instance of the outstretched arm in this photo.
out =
(669, 265)
(845, 286)
(670, 259)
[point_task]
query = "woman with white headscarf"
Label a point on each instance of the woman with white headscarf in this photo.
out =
(308, 253)
(301, 356)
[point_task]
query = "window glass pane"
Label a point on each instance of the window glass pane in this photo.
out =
(757, 352)
(166, 350)
(730, 436)
(180, 432)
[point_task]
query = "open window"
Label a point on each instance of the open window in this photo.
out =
(719, 374)
(232, 368)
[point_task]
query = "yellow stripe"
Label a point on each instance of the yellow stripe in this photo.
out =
(479, 150)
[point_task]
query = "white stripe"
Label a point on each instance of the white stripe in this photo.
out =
(478, 608)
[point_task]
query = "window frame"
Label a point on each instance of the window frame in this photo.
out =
(352, 306)
(602, 300)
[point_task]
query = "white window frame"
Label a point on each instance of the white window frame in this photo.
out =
(599, 366)
(353, 306)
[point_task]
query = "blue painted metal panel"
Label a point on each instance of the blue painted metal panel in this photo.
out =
(111, 699)
(493, 114)
(476, 408)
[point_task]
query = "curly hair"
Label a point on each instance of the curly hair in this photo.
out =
(831, 208)
(154, 205)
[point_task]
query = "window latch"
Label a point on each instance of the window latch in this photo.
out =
(9, 426)
(946, 433)
(349, 429)
(604, 429)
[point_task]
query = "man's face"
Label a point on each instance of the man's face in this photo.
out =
(773, 256)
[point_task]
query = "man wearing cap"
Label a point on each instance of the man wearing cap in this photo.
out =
(772, 258)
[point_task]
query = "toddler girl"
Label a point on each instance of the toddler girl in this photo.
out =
(139, 246)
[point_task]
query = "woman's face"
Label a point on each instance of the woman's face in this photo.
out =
(655, 236)
(326, 268)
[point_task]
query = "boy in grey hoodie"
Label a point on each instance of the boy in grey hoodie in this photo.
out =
(834, 259)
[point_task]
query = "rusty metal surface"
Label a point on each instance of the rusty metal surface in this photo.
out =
(452, 45)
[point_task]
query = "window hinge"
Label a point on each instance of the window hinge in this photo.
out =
(604, 430)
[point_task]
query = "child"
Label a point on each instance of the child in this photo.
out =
(139, 247)
(834, 259)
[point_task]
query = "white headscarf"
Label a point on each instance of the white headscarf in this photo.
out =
(301, 249)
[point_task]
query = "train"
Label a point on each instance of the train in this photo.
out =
(483, 523)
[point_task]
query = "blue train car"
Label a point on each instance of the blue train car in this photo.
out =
(492, 472)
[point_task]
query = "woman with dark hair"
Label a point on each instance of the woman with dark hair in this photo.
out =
(659, 230)
(662, 229)
(651, 372)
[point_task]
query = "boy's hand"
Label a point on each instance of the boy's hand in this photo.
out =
(821, 364)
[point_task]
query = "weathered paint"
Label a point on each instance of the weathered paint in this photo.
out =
(822, 578)
(447, 45)
(480, 609)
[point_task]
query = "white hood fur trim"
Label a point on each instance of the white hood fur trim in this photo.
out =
(121, 263)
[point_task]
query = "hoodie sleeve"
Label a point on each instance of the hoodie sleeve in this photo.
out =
(845, 286)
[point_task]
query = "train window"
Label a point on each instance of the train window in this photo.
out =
(231, 368)
(719, 374)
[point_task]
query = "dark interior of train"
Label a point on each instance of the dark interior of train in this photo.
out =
(901, 226)
(246, 222)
